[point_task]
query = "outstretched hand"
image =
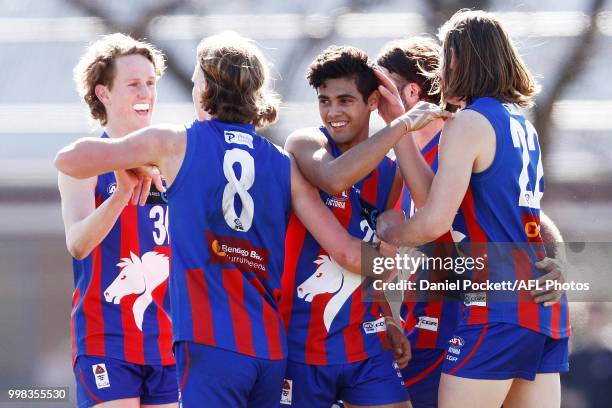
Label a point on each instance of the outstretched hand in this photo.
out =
(422, 114)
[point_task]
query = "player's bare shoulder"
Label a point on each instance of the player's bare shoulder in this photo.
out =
(310, 138)
(467, 126)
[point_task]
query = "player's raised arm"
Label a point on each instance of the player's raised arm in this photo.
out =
(88, 157)
(414, 170)
(460, 146)
(322, 224)
(335, 174)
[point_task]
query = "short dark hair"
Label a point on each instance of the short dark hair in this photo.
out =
(412, 59)
(344, 62)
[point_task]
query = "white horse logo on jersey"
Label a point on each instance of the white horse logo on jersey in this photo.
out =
(138, 276)
(329, 277)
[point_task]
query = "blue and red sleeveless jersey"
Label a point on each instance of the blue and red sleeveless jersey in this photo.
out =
(502, 209)
(328, 317)
(120, 306)
(429, 324)
(229, 206)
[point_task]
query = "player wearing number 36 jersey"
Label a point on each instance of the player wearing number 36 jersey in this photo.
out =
(230, 194)
(120, 328)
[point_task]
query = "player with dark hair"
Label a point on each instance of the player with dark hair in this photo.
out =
(334, 328)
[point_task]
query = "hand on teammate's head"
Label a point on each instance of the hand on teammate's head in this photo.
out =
(390, 104)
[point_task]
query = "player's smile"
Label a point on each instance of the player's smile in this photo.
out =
(344, 112)
(142, 109)
(338, 124)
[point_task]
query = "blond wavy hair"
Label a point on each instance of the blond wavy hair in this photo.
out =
(97, 67)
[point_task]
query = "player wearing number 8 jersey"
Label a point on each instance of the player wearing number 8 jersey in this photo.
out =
(120, 327)
(230, 193)
(503, 352)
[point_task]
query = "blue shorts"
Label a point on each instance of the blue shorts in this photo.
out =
(101, 379)
(500, 351)
(422, 376)
(217, 378)
(375, 381)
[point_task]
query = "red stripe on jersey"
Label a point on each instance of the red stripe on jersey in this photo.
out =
(270, 321)
(76, 295)
(272, 325)
(201, 314)
(294, 241)
(476, 314)
(375, 311)
(428, 338)
(400, 199)
(430, 156)
(528, 310)
(164, 341)
(369, 190)
(531, 225)
(475, 231)
(92, 308)
(233, 284)
(133, 339)
(315, 352)
(410, 320)
(352, 333)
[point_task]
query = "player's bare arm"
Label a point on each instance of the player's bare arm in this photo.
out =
(334, 175)
(322, 223)
(467, 145)
(160, 146)
(415, 171)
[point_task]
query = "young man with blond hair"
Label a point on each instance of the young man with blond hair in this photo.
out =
(120, 326)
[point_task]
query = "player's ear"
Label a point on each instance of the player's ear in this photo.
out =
(101, 92)
(411, 93)
(373, 100)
